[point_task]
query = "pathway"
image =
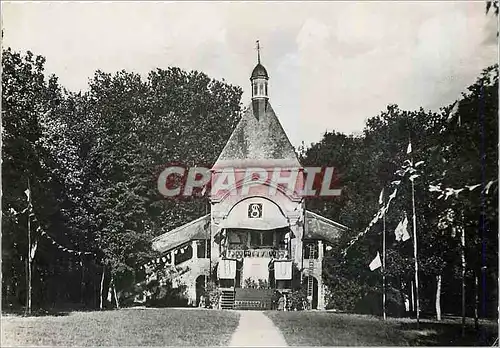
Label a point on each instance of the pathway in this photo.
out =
(255, 329)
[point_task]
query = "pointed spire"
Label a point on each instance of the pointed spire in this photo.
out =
(258, 52)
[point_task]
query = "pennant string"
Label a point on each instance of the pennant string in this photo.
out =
(448, 191)
(60, 247)
(407, 167)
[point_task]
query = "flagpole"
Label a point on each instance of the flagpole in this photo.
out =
(383, 265)
(415, 251)
(29, 250)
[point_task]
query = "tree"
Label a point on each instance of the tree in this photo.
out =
(93, 159)
(458, 147)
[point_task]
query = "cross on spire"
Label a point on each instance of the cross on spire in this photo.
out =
(258, 52)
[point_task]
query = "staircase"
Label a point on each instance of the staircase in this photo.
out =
(310, 279)
(227, 299)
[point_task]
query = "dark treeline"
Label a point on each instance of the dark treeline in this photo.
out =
(92, 159)
(456, 191)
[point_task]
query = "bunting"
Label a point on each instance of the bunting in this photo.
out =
(380, 213)
(448, 192)
(60, 247)
(408, 167)
(376, 263)
(381, 197)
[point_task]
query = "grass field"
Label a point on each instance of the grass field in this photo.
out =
(335, 329)
(128, 327)
(196, 327)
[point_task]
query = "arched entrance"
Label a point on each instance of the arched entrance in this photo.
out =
(315, 291)
(201, 282)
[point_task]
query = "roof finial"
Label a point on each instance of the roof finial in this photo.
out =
(258, 52)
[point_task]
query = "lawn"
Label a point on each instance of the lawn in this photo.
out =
(126, 327)
(336, 329)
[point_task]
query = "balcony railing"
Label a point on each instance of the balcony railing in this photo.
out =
(261, 252)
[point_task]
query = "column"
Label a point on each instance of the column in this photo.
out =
(172, 258)
(320, 250)
(194, 245)
(321, 294)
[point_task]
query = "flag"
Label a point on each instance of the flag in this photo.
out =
(488, 186)
(406, 235)
(452, 112)
(376, 263)
(381, 197)
(401, 230)
(109, 294)
(408, 150)
(33, 250)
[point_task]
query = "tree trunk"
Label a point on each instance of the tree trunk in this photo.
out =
(101, 295)
(82, 283)
(27, 277)
(438, 297)
(463, 279)
(402, 295)
(28, 287)
(412, 296)
(114, 292)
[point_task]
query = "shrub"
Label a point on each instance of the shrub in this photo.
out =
(297, 299)
(165, 295)
(212, 294)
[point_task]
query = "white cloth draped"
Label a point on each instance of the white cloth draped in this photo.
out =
(283, 270)
(256, 268)
(227, 269)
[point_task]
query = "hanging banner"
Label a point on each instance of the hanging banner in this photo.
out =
(227, 269)
(255, 268)
(283, 270)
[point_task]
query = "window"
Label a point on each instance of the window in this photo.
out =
(311, 250)
(260, 239)
(261, 89)
(203, 249)
(267, 238)
(265, 87)
(255, 241)
(183, 254)
(255, 89)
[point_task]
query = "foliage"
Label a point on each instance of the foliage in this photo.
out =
(93, 159)
(165, 295)
(297, 299)
(458, 145)
(213, 294)
(250, 283)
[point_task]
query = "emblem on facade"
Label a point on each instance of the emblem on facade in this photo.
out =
(255, 210)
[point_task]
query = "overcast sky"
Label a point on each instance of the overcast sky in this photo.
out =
(331, 64)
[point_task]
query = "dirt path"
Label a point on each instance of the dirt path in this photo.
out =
(255, 329)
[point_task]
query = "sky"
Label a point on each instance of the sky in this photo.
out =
(332, 65)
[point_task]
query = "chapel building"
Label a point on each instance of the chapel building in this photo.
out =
(258, 237)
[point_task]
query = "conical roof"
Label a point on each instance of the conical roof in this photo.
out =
(258, 140)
